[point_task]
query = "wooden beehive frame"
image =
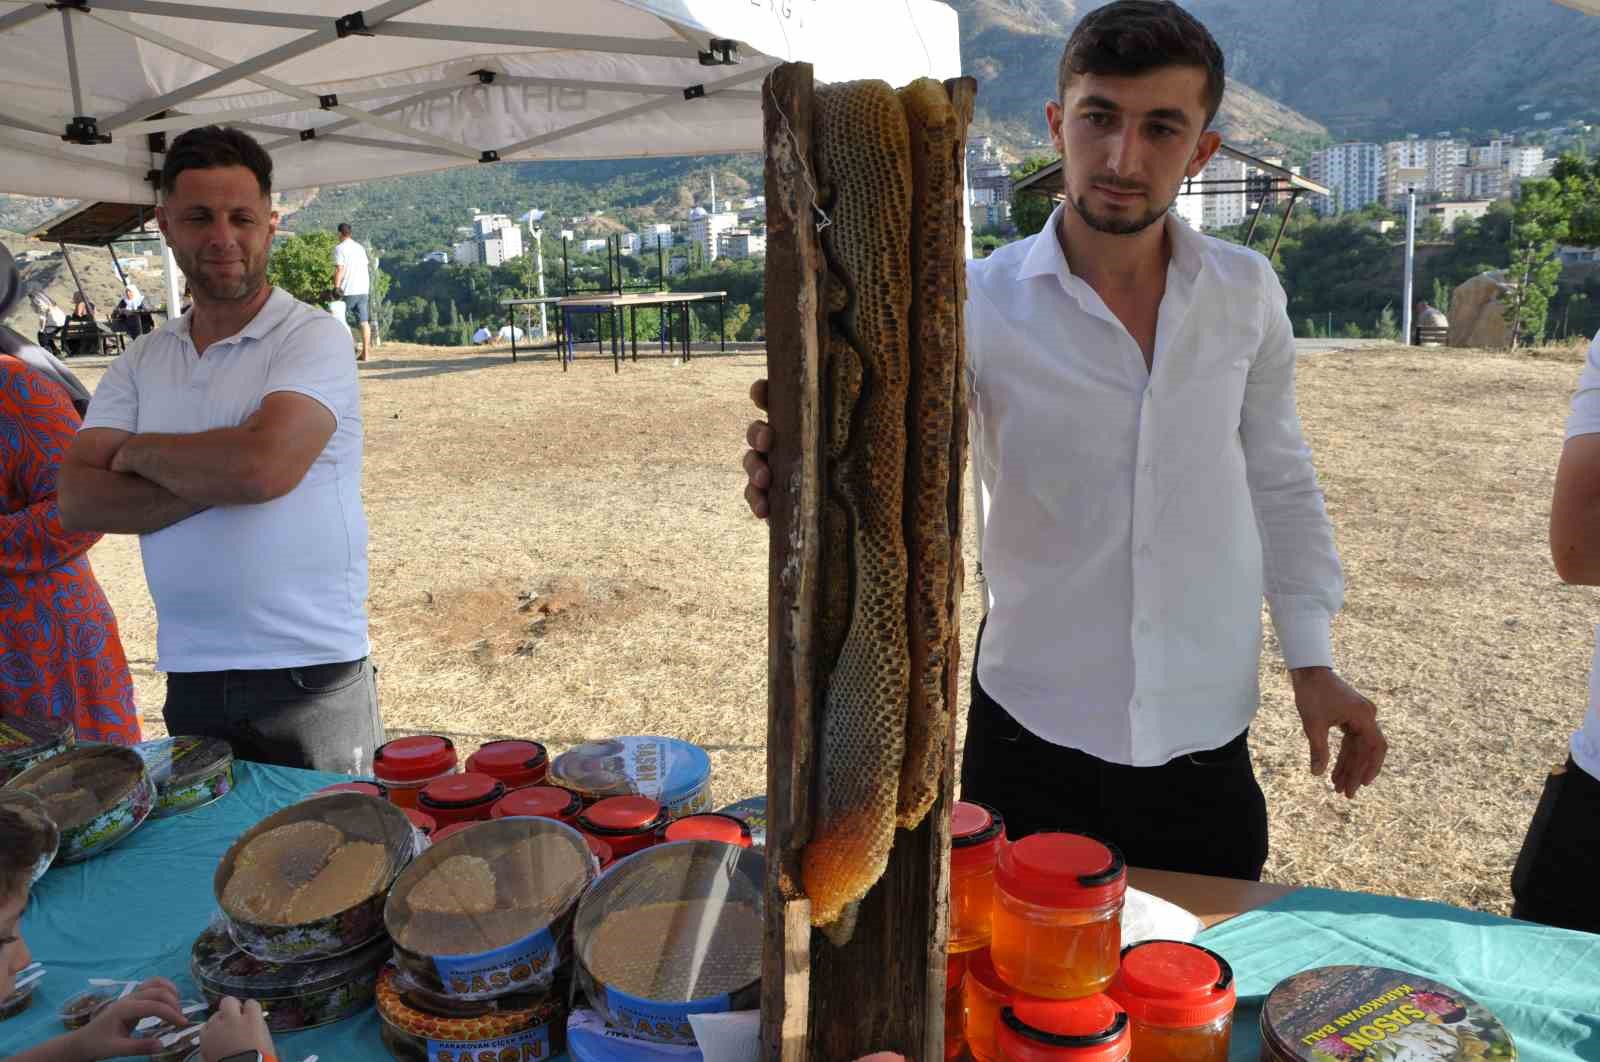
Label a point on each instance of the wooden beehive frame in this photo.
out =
(885, 989)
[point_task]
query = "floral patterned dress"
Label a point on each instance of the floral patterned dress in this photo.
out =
(60, 656)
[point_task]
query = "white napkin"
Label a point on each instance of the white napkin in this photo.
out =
(729, 1037)
(1147, 917)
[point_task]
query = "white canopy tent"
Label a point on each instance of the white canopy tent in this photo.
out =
(92, 90)
(409, 86)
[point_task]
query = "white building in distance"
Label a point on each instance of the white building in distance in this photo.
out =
(1353, 172)
(706, 229)
(742, 243)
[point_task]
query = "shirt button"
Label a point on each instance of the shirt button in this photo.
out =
(1145, 550)
(1144, 626)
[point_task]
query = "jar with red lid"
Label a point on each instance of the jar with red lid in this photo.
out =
(540, 802)
(451, 830)
(977, 833)
(1057, 929)
(1179, 998)
(983, 996)
(465, 797)
(424, 823)
(602, 851)
(709, 826)
(626, 823)
(954, 1041)
(517, 763)
(1088, 1029)
(365, 788)
(407, 764)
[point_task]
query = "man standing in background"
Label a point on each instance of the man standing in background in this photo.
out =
(352, 281)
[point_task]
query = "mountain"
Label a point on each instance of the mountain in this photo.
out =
(1362, 68)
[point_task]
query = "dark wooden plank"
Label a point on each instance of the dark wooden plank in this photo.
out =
(794, 398)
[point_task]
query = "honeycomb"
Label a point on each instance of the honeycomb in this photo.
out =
(888, 174)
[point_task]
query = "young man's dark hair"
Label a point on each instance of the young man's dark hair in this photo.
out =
(214, 146)
(1131, 37)
(344, 228)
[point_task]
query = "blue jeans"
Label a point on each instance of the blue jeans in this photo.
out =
(323, 717)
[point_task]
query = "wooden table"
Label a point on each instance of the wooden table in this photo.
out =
(1211, 900)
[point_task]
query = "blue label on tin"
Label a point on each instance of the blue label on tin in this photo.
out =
(527, 963)
(654, 1020)
(520, 1047)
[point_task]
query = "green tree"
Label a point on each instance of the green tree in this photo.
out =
(1386, 327)
(303, 266)
(1579, 183)
(1539, 226)
(1030, 209)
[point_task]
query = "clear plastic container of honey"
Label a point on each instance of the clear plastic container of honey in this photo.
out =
(1057, 923)
(977, 834)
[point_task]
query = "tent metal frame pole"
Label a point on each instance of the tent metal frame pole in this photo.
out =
(23, 16)
(290, 106)
(240, 17)
(1294, 197)
(578, 42)
(201, 55)
(621, 87)
(263, 129)
(16, 121)
(752, 74)
(229, 72)
(372, 142)
(72, 60)
(66, 256)
(346, 123)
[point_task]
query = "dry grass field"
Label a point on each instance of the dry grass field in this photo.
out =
(567, 557)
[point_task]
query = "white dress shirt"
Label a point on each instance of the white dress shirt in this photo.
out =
(1585, 420)
(1135, 518)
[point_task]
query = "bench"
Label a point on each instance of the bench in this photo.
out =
(82, 336)
(1431, 336)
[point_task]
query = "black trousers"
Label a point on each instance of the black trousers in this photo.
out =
(1555, 879)
(323, 717)
(1203, 813)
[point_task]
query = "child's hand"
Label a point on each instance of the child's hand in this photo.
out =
(234, 1029)
(110, 1034)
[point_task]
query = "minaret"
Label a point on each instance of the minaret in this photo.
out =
(713, 207)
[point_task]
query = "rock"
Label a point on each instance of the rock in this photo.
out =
(1478, 312)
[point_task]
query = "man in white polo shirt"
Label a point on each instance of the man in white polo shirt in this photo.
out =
(1145, 482)
(229, 440)
(352, 281)
(1557, 871)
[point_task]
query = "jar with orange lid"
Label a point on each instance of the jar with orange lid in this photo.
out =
(406, 764)
(983, 996)
(1057, 928)
(1087, 1029)
(515, 762)
(541, 802)
(627, 823)
(464, 797)
(709, 826)
(977, 833)
(954, 1040)
(1179, 998)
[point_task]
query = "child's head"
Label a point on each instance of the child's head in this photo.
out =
(23, 843)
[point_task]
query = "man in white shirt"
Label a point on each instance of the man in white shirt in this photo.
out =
(352, 282)
(1145, 481)
(1556, 871)
(229, 440)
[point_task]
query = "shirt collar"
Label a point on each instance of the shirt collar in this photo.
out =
(1046, 259)
(271, 314)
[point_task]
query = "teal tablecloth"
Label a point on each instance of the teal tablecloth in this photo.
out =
(1542, 983)
(135, 911)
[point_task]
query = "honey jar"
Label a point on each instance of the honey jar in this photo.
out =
(1057, 924)
(977, 833)
(1087, 1029)
(1179, 998)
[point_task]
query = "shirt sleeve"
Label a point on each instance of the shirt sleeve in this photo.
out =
(339, 255)
(32, 539)
(116, 401)
(1303, 577)
(1585, 416)
(316, 359)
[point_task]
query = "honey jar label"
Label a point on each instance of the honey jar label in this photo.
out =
(663, 1022)
(524, 1046)
(519, 966)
